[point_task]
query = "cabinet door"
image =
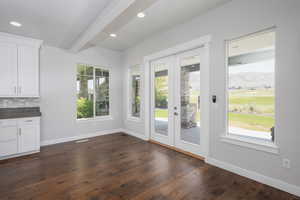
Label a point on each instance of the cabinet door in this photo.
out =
(29, 137)
(8, 70)
(28, 71)
(8, 140)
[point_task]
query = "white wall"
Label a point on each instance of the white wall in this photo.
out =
(235, 19)
(58, 92)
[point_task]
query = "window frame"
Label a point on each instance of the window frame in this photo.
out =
(244, 141)
(96, 118)
(130, 117)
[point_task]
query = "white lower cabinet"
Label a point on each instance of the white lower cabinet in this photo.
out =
(8, 141)
(19, 137)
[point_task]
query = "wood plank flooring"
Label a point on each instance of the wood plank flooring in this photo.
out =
(119, 167)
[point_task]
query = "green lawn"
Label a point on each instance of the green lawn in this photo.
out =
(259, 100)
(253, 110)
(251, 122)
(161, 113)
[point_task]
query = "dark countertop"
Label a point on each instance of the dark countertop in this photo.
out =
(11, 113)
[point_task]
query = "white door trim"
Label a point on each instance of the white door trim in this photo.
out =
(194, 44)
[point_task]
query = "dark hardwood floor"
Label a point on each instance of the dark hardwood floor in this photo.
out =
(119, 167)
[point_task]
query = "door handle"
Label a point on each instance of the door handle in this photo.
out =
(20, 131)
(214, 98)
(175, 113)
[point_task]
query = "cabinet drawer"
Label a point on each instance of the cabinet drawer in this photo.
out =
(29, 121)
(8, 122)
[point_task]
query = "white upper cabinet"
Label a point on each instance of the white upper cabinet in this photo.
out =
(8, 69)
(19, 66)
(28, 68)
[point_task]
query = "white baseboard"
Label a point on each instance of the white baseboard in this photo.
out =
(90, 135)
(276, 183)
(134, 134)
(19, 155)
(79, 137)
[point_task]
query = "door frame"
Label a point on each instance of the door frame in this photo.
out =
(202, 42)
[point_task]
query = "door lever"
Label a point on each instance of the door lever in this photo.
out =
(214, 98)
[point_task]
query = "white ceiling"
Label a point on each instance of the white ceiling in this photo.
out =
(161, 15)
(57, 22)
(77, 24)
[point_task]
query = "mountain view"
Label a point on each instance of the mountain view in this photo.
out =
(251, 80)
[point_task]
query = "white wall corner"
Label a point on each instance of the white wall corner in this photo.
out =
(276, 183)
(135, 134)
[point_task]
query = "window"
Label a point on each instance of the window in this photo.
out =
(92, 92)
(251, 86)
(134, 91)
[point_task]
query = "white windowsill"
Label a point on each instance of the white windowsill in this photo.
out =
(104, 118)
(134, 119)
(257, 144)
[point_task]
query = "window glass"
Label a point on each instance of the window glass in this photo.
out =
(161, 88)
(190, 99)
(85, 93)
(92, 92)
(102, 92)
(135, 98)
(251, 85)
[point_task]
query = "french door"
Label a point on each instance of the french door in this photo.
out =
(180, 101)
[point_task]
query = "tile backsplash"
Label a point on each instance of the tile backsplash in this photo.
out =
(19, 102)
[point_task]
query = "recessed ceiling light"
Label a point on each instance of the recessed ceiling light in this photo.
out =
(17, 24)
(113, 35)
(141, 15)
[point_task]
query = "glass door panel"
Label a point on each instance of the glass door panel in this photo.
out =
(161, 93)
(190, 99)
(162, 119)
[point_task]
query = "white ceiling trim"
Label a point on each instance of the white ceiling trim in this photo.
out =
(112, 11)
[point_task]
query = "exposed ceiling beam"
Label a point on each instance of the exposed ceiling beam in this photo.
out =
(112, 11)
(112, 19)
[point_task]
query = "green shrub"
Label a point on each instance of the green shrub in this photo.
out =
(84, 108)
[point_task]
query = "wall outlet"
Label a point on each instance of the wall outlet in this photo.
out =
(286, 163)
